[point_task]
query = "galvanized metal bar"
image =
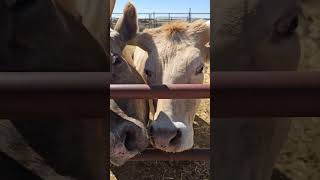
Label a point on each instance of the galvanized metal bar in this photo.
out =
(157, 155)
(171, 91)
(44, 94)
(266, 94)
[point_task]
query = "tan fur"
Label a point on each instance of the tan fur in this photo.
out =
(173, 53)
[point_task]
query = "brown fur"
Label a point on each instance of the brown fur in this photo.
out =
(130, 113)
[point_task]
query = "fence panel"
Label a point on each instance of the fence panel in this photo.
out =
(236, 94)
(153, 20)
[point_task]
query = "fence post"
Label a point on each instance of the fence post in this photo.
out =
(189, 14)
(150, 20)
(154, 20)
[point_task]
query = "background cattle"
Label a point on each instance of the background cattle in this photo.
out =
(257, 35)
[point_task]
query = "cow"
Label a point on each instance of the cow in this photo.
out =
(252, 35)
(46, 36)
(129, 117)
(174, 53)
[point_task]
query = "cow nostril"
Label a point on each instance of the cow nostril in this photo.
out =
(175, 140)
(129, 141)
(150, 130)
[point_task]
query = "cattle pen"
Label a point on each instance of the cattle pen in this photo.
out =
(236, 94)
(156, 19)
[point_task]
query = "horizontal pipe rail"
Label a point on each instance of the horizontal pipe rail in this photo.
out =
(235, 94)
(172, 91)
(53, 95)
(157, 155)
(243, 94)
(266, 94)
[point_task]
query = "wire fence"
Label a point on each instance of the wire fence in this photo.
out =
(153, 20)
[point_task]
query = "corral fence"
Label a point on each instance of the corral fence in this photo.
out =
(153, 20)
(236, 94)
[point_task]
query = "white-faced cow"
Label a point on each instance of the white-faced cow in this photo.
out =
(174, 53)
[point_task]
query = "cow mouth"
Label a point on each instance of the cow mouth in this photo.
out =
(130, 140)
(127, 146)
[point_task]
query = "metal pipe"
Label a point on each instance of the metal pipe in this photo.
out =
(49, 95)
(172, 91)
(236, 94)
(53, 81)
(157, 155)
(266, 94)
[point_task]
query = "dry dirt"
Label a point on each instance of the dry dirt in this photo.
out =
(300, 157)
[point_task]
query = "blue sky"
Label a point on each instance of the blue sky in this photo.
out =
(166, 6)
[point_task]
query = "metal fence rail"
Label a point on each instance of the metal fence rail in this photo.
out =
(53, 94)
(170, 91)
(266, 94)
(236, 94)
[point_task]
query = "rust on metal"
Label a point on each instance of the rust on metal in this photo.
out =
(266, 94)
(157, 155)
(170, 91)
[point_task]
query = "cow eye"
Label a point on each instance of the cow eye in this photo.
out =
(200, 69)
(148, 72)
(116, 59)
(286, 26)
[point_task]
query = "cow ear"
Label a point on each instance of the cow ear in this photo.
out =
(127, 25)
(200, 31)
(143, 40)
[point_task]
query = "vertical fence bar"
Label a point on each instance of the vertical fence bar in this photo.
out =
(154, 20)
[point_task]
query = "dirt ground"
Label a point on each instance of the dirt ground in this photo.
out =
(300, 157)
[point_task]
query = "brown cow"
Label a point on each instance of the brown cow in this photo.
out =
(128, 119)
(252, 35)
